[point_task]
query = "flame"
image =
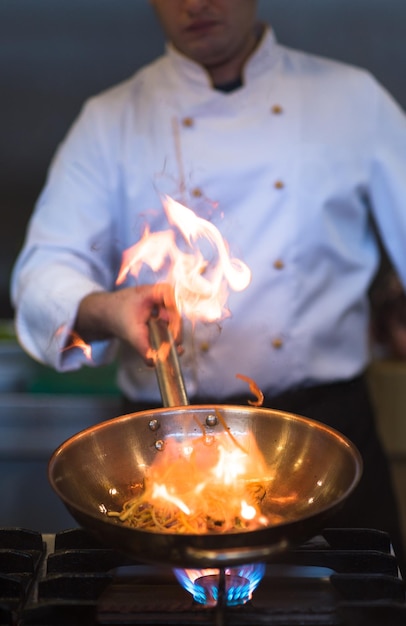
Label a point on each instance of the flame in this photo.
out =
(247, 510)
(76, 341)
(240, 583)
(230, 466)
(205, 485)
(200, 281)
(206, 482)
(161, 492)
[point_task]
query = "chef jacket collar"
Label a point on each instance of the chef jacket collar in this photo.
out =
(263, 57)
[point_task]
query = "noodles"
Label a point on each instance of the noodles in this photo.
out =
(213, 513)
(228, 431)
(255, 390)
(208, 484)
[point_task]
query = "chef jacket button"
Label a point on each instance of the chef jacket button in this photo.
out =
(204, 346)
(279, 184)
(277, 343)
(197, 193)
(278, 264)
(187, 122)
(277, 109)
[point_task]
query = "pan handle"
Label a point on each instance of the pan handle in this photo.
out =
(235, 556)
(167, 368)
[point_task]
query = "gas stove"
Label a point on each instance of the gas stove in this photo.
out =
(342, 577)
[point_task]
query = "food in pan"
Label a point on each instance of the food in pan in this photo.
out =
(211, 484)
(213, 512)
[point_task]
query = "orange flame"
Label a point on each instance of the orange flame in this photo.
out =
(211, 479)
(75, 341)
(200, 284)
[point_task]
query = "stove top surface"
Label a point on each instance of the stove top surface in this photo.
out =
(341, 577)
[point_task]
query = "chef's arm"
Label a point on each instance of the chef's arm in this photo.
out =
(125, 314)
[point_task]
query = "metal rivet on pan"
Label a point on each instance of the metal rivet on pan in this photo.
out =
(154, 425)
(211, 420)
(159, 445)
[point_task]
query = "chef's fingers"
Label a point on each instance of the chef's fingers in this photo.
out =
(168, 311)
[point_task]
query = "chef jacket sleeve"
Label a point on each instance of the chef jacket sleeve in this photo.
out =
(70, 248)
(387, 179)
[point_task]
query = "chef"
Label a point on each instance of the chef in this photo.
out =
(291, 157)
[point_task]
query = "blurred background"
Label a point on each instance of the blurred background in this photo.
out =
(53, 55)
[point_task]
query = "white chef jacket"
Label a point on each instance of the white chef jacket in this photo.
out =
(289, 167)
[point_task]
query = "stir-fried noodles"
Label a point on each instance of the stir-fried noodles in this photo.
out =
(213, 484)
(212, 513)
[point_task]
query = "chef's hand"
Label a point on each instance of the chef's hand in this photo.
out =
(125, 314)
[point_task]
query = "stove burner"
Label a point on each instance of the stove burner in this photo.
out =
(206, 585)
(345, 577)
(208, 589)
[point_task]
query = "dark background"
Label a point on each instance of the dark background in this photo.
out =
(55, 53)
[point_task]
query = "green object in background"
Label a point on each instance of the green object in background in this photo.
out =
(87, 380)
(7, 332)
(20, 373)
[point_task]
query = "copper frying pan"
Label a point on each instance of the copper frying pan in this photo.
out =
(94, 471)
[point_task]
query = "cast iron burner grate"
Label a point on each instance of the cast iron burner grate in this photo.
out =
(344, 577)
